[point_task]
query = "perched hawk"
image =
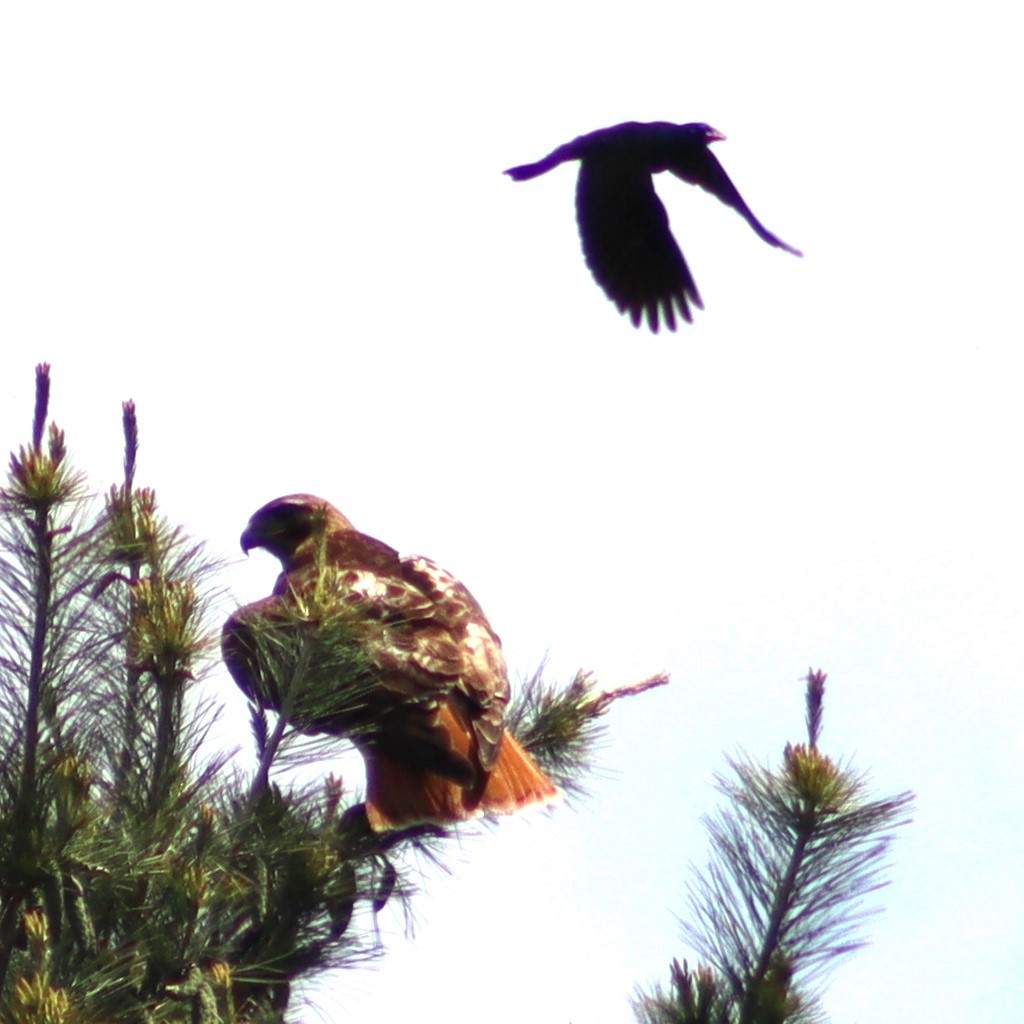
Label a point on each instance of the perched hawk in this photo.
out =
(429, 717)
(624, 229)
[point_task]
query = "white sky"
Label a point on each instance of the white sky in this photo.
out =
(283, 230)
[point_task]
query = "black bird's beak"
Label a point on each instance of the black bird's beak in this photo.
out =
(248, 541)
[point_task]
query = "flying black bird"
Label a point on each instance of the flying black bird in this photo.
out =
(623, 226)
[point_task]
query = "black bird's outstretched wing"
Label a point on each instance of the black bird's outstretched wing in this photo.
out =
(701, 167)
(628, 244)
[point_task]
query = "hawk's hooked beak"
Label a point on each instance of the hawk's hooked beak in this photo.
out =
(249, 540)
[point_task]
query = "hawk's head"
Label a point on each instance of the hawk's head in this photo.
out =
(285, 526)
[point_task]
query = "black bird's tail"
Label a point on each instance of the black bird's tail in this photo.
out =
(559, 156)
(527, 171)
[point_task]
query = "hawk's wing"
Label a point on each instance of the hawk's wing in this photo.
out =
(434, 649)
(438, 668)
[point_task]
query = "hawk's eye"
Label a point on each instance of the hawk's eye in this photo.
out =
(293, 521)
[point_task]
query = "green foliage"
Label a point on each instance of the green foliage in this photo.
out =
(796, 851)
(141, 879)
(137, 882)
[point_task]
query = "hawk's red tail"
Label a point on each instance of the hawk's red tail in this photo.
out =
(399, 794)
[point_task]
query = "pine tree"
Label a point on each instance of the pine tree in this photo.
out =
(795, 853)
(143, 879)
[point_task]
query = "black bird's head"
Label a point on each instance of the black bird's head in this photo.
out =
(704, 132)
(680, 148)
(283, 526)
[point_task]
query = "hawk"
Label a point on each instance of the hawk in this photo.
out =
(626, 238)
(428, 716)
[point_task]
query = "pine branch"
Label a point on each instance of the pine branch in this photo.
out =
(562, 726)
(135, 882)
(796, 853)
